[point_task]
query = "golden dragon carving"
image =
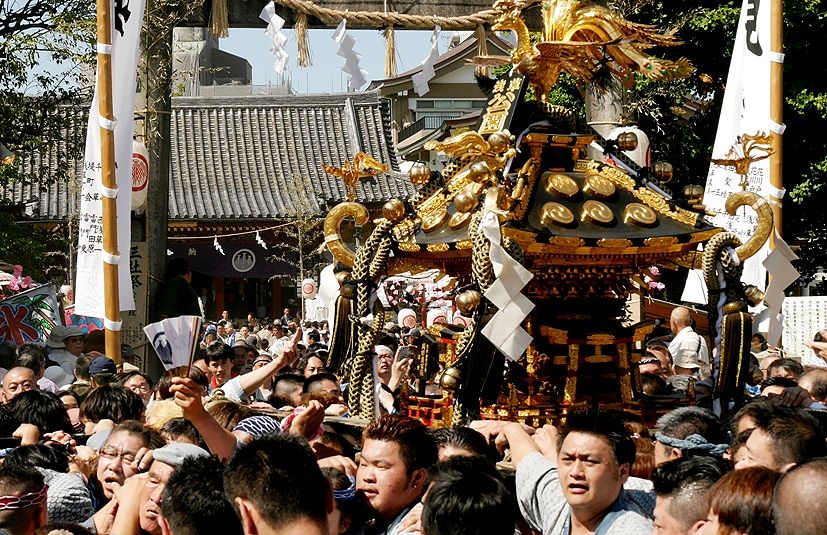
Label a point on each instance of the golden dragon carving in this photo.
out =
(581, 38)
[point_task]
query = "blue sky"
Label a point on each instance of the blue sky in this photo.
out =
(325, 75)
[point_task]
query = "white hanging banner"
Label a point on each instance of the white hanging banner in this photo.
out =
(745, 110)
(127, 18)
(420, 79)
(803, 317)
(273, 31)
(356, 75)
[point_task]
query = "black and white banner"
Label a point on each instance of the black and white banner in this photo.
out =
(745, 111)
(127, 18)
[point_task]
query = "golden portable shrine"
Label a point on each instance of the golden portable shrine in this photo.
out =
(545, 243)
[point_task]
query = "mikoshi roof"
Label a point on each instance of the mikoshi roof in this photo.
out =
(254, 157)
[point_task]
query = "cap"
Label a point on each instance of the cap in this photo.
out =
(174, 453)
(58, 376)
(128, 352)
(258, 426)
(60, 333)
(252, 340)
(102, 365)
(263, 358)
(240, 343)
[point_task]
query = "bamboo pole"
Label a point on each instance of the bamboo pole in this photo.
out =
(776, 109)
(108, 180)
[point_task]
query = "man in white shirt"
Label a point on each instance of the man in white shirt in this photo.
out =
(65, 345)
(687, 345)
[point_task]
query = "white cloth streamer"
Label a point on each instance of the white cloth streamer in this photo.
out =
(351, 67)
(420, 79)
(273, 31)
(504, 329)
(782, 274)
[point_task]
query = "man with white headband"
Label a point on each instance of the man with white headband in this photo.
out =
(22, 500)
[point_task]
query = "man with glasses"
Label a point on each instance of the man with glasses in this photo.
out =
(391, 372)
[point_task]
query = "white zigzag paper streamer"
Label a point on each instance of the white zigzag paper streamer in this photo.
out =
(782, 274)
(218, 246)
(260, 241)
(273, 31)
(504, 329)
(351, 67)
(420, 79)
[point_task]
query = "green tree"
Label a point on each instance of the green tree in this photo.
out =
(45, 52)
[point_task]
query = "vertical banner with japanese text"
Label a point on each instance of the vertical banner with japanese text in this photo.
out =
(127, 18)
(745, 111)
(134, 321)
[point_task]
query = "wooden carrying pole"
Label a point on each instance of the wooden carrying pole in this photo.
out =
(109, 183)
(776, 108)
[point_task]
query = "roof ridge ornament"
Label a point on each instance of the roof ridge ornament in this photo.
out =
(362, 166)
(587, 40)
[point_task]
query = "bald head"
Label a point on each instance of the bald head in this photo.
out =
(795, 494)
(17, 380)
(815, 382)
(679, 319)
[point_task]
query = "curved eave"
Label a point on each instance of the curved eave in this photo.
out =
(571, 250)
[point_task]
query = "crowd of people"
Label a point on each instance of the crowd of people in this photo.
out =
(246, 441)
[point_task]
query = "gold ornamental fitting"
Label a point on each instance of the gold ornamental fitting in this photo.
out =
(598, 186)
(639, 214)
(561, 185)
(459, 220)
(435, 220)
(596, 212)
(557, 214)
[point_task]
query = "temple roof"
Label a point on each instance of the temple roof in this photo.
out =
(250, 157)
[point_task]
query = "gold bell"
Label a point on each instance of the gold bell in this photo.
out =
(394, 210)
(663, 171)
(345, 290)
(465, 201)
(468, 301)
(420, 174)
(753, 294)
(451, 378)
(627, 141)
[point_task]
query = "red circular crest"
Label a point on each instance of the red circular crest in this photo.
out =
(140, 171)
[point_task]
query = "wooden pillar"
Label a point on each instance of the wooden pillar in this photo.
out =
(276, 307)
(776, 111)
(112, 319)
(158, 106)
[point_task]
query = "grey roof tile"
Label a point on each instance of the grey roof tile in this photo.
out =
(257, 157)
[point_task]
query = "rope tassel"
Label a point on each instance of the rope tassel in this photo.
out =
(390, 51)
(305, 57)
(219, 19)
(482, 42)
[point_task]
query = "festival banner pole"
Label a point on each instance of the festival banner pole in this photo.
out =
(109, 184)
(776, 57)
